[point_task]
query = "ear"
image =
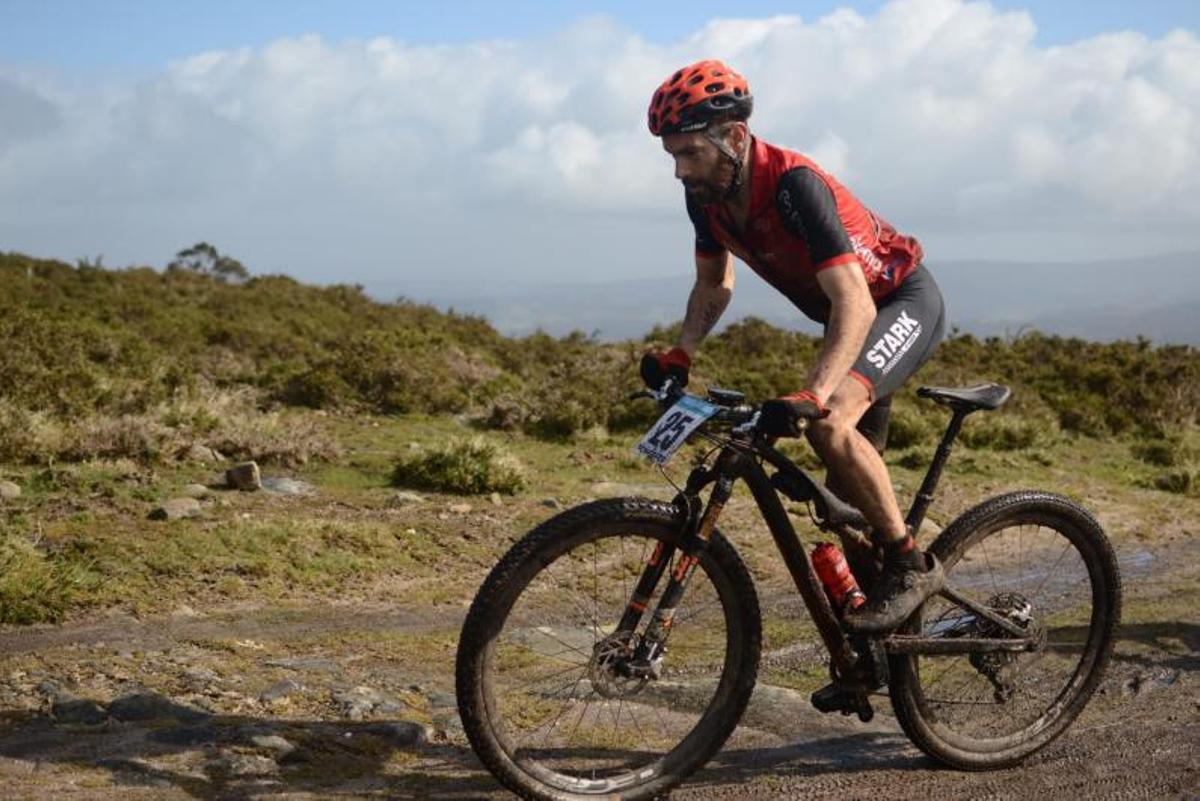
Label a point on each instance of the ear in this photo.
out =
(738, 135)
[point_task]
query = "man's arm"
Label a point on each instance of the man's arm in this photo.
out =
(851, 314)
(709, 299)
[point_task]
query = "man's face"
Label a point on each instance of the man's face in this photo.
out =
(699, 166)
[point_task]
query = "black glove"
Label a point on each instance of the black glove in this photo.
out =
(781, 417)
(657, 367)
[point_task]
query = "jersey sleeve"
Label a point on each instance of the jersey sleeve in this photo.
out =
(808, 209)
(706, 243)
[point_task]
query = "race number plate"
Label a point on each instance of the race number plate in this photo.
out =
(673, 428)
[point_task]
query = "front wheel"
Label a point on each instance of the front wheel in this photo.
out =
(545, 690)
(1044, 563)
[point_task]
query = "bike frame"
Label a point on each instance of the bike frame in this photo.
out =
(739, 459)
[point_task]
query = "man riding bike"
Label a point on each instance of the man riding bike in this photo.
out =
(841, 265)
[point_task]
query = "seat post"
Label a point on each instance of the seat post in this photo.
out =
(924, 497)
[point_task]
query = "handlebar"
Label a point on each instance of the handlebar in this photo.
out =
(742, 417)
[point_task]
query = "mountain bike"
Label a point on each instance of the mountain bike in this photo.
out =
(613, 650)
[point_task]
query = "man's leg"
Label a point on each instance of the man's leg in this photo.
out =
(859, 468)
(906, 581)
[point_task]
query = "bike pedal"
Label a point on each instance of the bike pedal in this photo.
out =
(836, 698)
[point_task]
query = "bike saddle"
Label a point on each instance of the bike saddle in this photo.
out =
(968, 399)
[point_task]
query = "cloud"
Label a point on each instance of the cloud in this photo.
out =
(942, 114)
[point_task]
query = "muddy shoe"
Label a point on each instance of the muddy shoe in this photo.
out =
(901, 591)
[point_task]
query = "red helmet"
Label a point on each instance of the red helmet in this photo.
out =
(691, 98)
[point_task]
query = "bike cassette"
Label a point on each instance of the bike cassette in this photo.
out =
(847, 700)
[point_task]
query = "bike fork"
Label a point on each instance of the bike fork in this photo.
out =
(648, 655)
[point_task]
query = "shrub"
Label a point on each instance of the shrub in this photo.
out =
(1005, 433)
(1184, 481)
(1161, 452)
(465, 467)
(35, 587)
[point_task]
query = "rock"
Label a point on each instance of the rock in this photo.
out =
(403, 733)
(238, 765)
(495, 499)
(316, 663)
(201, 676)
(196, 491)
(404, 498)
(149, 706)
(199, 453)
(9, 491)
(358, 702)
(460, 508)
(55, 691)
(278, 690)
(244, 476)
(287, 486)
(552, 503)
(274, 743)
(78, 711)
(1154, 679)
(185, 735)
(177, 509)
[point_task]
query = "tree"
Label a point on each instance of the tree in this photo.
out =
(205, 259)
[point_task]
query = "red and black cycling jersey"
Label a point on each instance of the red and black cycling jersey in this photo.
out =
(802, 221)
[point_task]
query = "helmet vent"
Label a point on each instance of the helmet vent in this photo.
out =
(713, 88)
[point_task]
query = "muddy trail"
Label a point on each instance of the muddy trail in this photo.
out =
(354, 700)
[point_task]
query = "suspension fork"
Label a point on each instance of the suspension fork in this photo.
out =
(653, 641)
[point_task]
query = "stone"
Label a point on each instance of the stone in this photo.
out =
(176, 509)
(278, 690)
(552, 503)
(78, 711)
(287, 486)
(460, 508)
(245, 477)
(358, 702)
(404, 498)
(495, 499)
(314, 663)
(203, 734)
(201, 676)
(403, 733)
(239, 765)
(274, 743)
(196, 491)
(9, 491)
(149, 706)
(199, 453)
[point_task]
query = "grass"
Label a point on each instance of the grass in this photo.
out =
(78, 538)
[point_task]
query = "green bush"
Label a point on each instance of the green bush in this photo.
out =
(1183, 481)
(35, 587)
(465, 467)
(1005, 433)
(1160, 452)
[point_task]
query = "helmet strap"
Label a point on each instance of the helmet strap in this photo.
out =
(735, 183)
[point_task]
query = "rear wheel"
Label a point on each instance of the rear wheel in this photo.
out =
(544, 690)
(1044, 563)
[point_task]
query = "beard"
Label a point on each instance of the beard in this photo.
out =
(705, 192)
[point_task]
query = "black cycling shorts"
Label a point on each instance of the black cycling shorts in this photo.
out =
(908, 326)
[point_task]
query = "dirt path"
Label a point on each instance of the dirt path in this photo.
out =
(354, 701)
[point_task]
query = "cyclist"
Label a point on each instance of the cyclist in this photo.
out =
(841, 265)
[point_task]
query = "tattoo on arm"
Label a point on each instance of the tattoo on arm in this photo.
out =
(712, 313)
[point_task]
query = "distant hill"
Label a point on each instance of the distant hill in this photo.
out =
(1156, 297)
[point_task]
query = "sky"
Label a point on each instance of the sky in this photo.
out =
(401, 144)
